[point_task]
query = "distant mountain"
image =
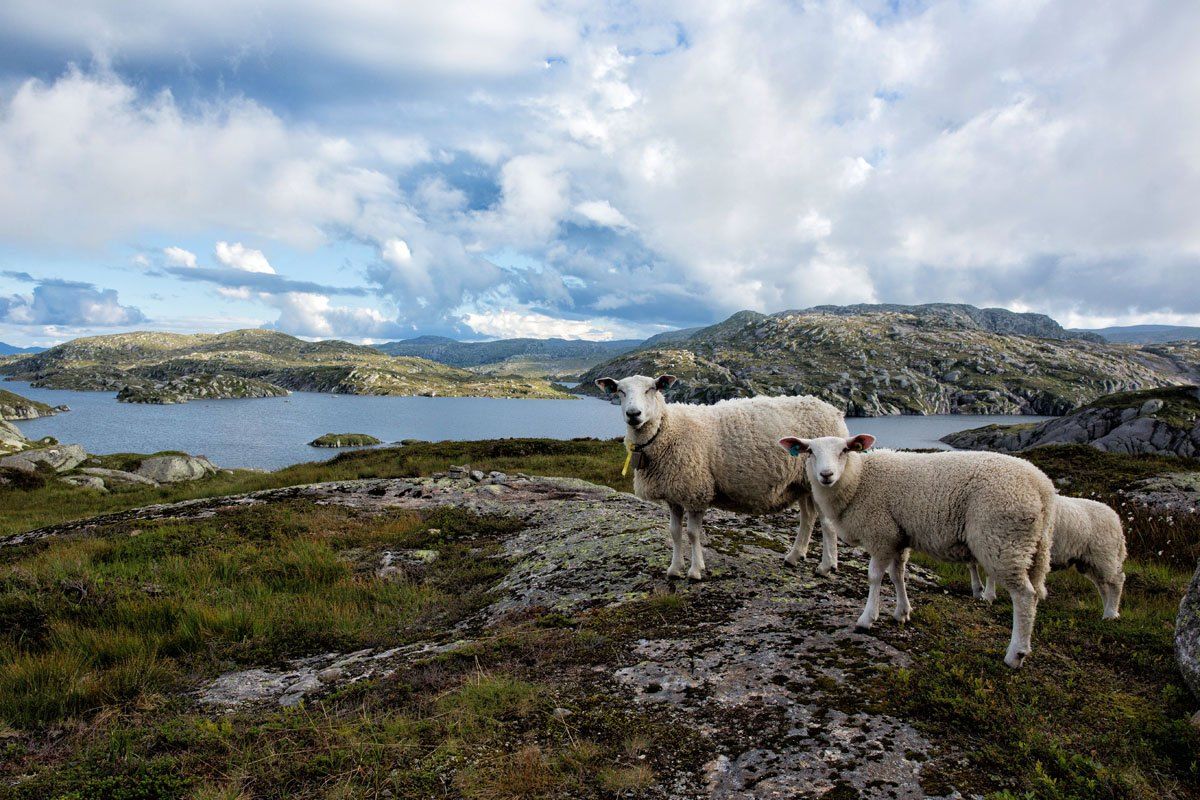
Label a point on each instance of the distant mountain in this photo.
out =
(10, 350)
(172, 368)
(1147, 334)
(993, 320)
(574, 354)
(880, 360)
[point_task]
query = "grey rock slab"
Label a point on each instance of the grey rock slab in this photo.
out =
(60, 458)
(118, 476)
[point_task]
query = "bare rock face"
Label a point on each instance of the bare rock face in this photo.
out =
(1187, 635)
(1131, 422)
(60, 458)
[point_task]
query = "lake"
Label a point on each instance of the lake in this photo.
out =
(273, 432)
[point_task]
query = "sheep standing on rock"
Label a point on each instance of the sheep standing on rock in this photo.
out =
(1088, 535)
(692, 457)
(959, 506)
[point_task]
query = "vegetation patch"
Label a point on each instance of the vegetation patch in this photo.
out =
(113, 619)
(345, 440)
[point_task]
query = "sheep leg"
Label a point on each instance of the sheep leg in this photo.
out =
(1024, 600)
(1112, 602)
(976, 584)
(808, 517)
(829, 549)
(989, 590)
(876, 569)
(897, 572)
(695, 529)
(676, 568)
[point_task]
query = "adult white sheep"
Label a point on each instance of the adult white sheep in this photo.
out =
(693, 457)
(1088, 536)
(958, 506)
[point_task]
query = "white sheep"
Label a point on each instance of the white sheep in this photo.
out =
(1088, 536)
(957, 506)
(693, 457)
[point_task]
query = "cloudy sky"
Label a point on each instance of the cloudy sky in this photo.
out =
(373, 169)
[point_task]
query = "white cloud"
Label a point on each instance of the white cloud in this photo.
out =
(508, 323)
(314, 315)
(178, 257)
(238, 256)
(601, 212)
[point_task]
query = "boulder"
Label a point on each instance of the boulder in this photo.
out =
(1187, 635)
(175, 468)
(111, 476)
(60, 458)
(11, 438)
(86, 482)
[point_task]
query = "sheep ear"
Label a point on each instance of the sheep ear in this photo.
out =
(664, 381)
(607, 384)
(795, 446)
(864, 441)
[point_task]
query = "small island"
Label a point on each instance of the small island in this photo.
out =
(345, 440)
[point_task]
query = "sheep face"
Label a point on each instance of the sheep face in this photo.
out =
(641, 397)
(827, 454)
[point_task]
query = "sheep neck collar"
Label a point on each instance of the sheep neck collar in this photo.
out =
(639, 447)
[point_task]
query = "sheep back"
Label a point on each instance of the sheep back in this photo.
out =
(726, 455)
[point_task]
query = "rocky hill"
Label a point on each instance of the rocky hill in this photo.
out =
(916, 360)
(166, 367)
(1163, 421)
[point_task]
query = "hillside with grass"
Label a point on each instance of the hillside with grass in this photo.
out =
(153, 367)
(399, 623)
(881, 360)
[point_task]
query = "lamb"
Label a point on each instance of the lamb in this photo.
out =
(1087, 535)
(958, 506)
(694, 457)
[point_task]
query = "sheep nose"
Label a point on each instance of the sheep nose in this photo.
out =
(827, 473)
(633, 414)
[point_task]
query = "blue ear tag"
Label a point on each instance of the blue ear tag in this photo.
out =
(794, 450)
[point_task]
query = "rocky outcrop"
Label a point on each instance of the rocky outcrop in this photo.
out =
(197, 387)
(14, 406)
(874, 361)
(117, 477)
(1187, 635)
(175, 468)
(11, 438)
(59, 458)
(344, 440)
(1157, 421)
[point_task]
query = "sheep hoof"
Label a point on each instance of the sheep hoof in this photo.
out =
(902, 618)
(695, 575)
(988, 598)
(1015, 660)
(794, 559)
(1113, 615)
(674, 572)
(826, 569)
(862, 628)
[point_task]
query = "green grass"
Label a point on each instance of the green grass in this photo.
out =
(109, 620)
(1098, 711)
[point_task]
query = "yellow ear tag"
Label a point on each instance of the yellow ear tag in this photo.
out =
(628, 458)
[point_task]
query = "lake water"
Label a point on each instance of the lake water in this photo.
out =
(273, 432)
